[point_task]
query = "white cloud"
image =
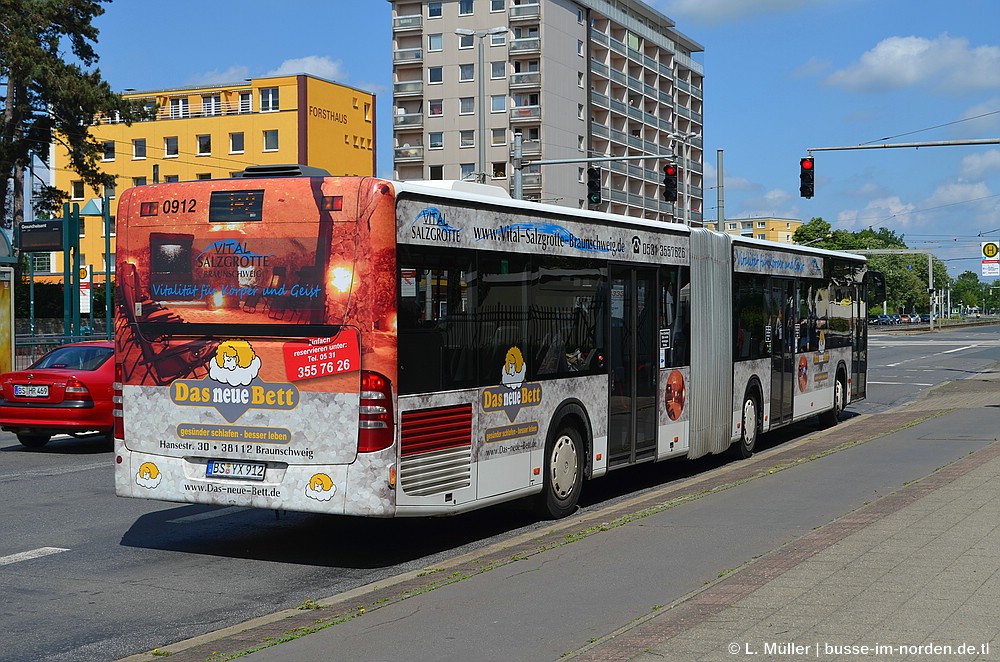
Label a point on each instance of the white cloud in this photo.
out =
(890, 212)
(718, 11)
(944, 64)
(316, 65)
(975, 166)
(216, 76)
(982, 119)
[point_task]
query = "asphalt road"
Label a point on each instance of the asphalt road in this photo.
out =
(89, 576)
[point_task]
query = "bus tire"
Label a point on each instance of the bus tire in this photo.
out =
(749, 425)
(563, 478)
(832, 417)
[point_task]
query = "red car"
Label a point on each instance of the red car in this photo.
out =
(67, 391)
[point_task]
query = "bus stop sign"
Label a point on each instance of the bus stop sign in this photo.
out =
(40, 236)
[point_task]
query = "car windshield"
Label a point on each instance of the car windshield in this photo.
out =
(75, 357)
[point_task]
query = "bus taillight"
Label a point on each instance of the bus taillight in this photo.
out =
(376, 429)
(116, 400)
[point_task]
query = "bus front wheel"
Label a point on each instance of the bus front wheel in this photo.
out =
(563, 474)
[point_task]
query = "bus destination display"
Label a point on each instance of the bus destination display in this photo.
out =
(236, 206)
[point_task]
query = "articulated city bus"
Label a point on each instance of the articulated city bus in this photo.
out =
(290, 340)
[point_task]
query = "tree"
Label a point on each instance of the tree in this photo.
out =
(50, 98)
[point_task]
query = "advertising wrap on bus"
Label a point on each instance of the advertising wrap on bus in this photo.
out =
(241, 346)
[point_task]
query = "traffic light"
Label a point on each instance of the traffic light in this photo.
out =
(670, 182)
(594, 185)
(806, 177)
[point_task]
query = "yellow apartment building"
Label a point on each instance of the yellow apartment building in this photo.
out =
(211, 132)
(771, 229)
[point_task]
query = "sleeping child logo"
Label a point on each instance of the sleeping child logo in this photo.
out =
(148, 476)
(513, 369)
(235, 363)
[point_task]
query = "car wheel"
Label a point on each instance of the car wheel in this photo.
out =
(33, 440)
(563, 474)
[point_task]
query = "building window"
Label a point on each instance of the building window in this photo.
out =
(531, 134)
(466, 72)
(435, 108)
(179, 108)
(204, 145)
(109, 191)
(468, 170)
(498, 70)
(467, 138)
(139, 148)
(464, 7)
(498, 103)
(435, 172)
(500, 170)
(236, 142)
(762, 236)
(434, 42)
(498, 137)
(579, 47)
(761, 224)
(138, 181)
(498, 5)
(498, 39)
(435, 75)
(76, 190)
(730, 226)
(466, 105)
(269, 100)
(108, 150)
(435, 140)
(433, 10)
(579, 111)
(211, 104)
(203, 175)
(466, 40)
(42, 262)
(105, 258)
(171, 179)
(579, 79)
(271, 140)
(245, 102)
(170, 147)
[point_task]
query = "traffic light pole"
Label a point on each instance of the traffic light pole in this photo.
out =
(940, 143)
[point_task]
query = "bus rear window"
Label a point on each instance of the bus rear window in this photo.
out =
(236, 206)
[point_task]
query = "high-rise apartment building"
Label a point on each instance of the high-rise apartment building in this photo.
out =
(212, 131)
(576, 78)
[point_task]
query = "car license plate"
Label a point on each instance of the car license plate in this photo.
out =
(31, 391)
(243, 470)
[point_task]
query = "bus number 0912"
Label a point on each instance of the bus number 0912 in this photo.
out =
(182, 206)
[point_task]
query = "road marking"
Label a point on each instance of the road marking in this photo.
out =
(959, 349)
(222, 512)
(899, 383)
(33, 554)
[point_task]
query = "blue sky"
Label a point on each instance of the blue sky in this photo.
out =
(781, 76)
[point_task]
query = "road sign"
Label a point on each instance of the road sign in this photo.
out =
(40, 236)
(991, 258)
(85, 289)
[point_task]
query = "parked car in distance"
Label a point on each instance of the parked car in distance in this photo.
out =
(873, 319)
(884, 319)
(904, 318)
(897, 319)
(67, 391)
(925, 318)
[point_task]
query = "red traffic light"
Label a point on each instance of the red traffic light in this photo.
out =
(806, 163)
(670, 170)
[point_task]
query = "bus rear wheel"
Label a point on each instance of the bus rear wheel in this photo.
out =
(563, 474)
(832, 417)
(748, 427)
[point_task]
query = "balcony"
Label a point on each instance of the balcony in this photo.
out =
(406, 153)
(414, 22)
(525, 45)
(408, 120)
(408, 56)
(525, 12)
(408, 88)
(526, 79)
(531, 180)
(525, 113)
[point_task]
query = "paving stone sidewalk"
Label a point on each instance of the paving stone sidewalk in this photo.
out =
(912, 576)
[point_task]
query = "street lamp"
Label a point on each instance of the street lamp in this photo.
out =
(482, 34)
